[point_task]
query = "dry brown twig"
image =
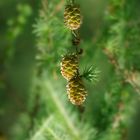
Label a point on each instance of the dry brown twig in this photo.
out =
(131, 77)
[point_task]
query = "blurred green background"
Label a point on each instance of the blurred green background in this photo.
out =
(110, 39)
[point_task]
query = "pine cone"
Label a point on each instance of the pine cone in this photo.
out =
(76, 91)
(72, 17)
(69, 66)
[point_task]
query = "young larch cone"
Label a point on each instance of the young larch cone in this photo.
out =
(76, 91)
(69, 66)
(72, 17)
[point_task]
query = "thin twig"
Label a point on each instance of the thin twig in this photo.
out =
(128, 76)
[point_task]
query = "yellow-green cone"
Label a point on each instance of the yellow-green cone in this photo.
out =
(76, 91)
(69, 66)
(72, 17)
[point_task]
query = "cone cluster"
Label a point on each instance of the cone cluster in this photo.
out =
(70, 63)
(70, 71)
(72, 17)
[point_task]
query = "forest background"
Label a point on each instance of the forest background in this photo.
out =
(33, 98)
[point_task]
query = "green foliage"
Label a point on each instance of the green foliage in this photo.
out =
(62, 123)
(16, 24)
(91, 74)
(49, 30)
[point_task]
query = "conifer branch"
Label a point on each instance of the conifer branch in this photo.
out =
(128, 76)
(62, 110)
(42, 128)
(115, 47)
(53, 134)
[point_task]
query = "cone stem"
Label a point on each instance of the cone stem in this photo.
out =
(75, 34)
